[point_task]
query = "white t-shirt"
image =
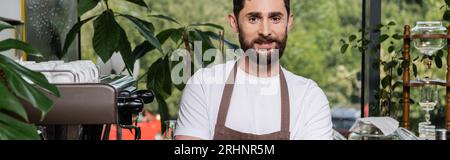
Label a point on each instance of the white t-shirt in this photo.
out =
(255, 105)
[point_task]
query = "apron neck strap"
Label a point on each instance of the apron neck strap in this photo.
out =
(228, 92)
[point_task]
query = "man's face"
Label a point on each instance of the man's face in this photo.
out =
(263, 25)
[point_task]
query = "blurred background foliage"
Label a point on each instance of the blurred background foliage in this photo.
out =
(313, 49)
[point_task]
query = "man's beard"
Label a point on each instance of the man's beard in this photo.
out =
(272, 56)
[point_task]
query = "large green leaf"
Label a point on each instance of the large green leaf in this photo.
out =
(10, 103)
(202, 36)
(125, 50)
(168, 33)
(446, 15)
(35, 77)
(138, 2)
(164, 17)
(149, 25)
(142, 49)
(438, 61)
(159, 78)
(28, 92)
(207, 25)
(217, 37)
(146, 47)
(72, 34)
(163, 111)
(106, 35)
(145, 31)
(383, 38)
(13, 129)
(86, 5)
(16, 44)
(197, 35)
(4, 26)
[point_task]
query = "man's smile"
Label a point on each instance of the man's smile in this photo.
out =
(265, 45)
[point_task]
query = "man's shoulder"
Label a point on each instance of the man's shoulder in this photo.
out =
(213, 74)
(297, 80)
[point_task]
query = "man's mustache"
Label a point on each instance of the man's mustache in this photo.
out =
(262, 39)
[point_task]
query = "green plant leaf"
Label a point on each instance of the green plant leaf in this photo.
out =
(217, 37)
(13, 129)
(72, 34)
(383, 38)
(27, 92)
(390, 65)
(392, 23)
(145, 31)
(399, 71)
(141, 49)
(138, 2)
(146, 47)
(35, 77)
(177, 35)
(4, 26)
(106, 35)
(391, 49)
(207, 25)
(351, 38)
(163, 110)
(447, 2)
(86, 5)
(414, 70)
(149, 25)
(438, 61)
(159, 78)
(10, 103)
(164, 17)
(124, 48)
(344, 48)
(440, 53)
(397, 36)
(166, 34)
(16, 44)
(198, 35)
(446, 15)
(202, 36)
(385, 81)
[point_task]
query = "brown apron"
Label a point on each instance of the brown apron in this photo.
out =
(224, 133)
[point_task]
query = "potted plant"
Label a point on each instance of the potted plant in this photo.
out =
(17, 84)
(109, 37)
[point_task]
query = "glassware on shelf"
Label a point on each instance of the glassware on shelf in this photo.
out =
(428, 99)
(428, 46)
(427, 131)
(428, 38)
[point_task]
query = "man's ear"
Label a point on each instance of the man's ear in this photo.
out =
(291, 21)
(233, 22)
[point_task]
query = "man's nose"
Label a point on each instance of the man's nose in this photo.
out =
(265, 29)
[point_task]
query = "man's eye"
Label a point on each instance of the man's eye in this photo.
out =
(276, 19)
(253, 19)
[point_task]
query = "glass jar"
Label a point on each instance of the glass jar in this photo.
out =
(429, 46)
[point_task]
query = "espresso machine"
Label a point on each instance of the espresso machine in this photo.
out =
(86, 110)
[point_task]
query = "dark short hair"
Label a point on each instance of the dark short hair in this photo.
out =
(238, 5)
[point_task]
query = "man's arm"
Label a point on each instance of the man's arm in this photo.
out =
(193, 121)
(319, 125)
